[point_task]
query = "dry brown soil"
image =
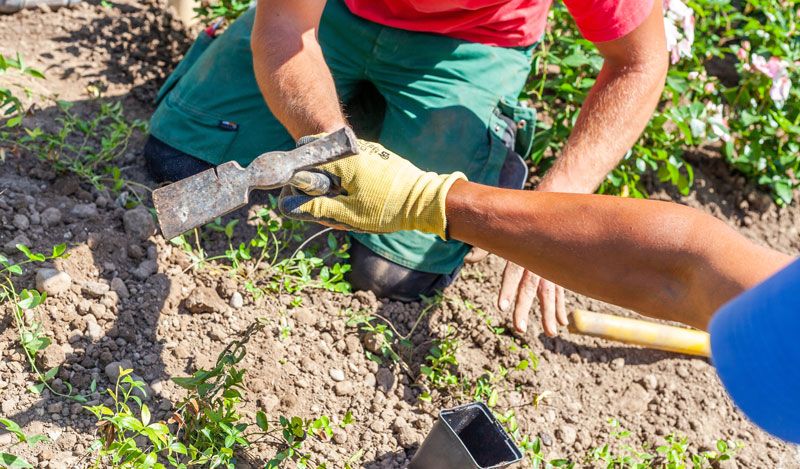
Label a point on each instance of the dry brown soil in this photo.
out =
(126, 50)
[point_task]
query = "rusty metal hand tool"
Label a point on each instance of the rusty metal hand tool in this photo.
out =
(198, 199)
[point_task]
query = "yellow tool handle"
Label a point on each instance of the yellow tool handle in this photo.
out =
(639, 332)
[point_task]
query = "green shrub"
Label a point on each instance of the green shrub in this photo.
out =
(752, 111)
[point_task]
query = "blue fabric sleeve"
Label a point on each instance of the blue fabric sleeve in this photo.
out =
(756, 349)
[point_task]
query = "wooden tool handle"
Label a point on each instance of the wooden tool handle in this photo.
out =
(638, 332)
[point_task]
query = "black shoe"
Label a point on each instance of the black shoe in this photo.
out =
(389, 280)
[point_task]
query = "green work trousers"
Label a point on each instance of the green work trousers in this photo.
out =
(448, 105)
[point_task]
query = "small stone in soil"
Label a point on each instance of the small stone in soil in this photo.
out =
(567, 435)
(84, 210)
(52, 281)
(385, 379)
(21, 222)
(54, 355)
(269, 402)
(95, 289)
(547, 440)
(94, 330)
(373, 342)
(145, 269)
(112, 369)
(11, 246)
(336, 374)
(617, 363)
(339, 436)
(139, 223)
(204, 300)
(118, 285)
(344, 388)
(236, 300)
(51, 216)
(650, 382)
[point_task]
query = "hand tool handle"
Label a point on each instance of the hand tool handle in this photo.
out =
(312, 183)
(638, 332)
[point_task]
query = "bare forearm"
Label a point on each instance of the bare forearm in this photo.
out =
(660, 259)
(617, 109)
(611, 120)
(292, 74)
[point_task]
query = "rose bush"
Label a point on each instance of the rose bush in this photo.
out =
(730, 85)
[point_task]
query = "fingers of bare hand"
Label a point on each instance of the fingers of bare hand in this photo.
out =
(561, 306)
(547, 304)
(508, 288)
(526, 294)
(475, 255)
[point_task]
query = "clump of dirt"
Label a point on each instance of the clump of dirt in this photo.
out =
(128, 298)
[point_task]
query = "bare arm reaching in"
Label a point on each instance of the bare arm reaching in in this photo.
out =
(290, 69)
(613, 115)
(660, 259)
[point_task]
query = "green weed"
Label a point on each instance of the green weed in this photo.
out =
(11, 108)
(228, 10)
(261, 265)
(11, 461)
(674, 454)
(23, 304)
(89, 148)
(207, 427)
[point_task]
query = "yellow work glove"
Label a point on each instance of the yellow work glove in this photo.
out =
(380, 193)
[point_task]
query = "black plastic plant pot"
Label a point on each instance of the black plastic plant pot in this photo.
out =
(466, 437)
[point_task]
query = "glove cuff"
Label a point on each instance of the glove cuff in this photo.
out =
(437, 215)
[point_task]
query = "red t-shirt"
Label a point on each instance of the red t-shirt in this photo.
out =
(505, 23)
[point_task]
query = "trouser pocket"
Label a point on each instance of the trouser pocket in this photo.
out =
(510, 141)
(523, 120)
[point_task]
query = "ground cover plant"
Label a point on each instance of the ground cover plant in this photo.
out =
(146, 344)
(729, 85)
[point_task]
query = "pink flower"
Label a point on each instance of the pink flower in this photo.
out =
(709, 88)
(773, 68)
(778, 71)
(688, 28)
(780, 90)
(741, 54)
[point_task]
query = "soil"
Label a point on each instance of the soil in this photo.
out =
(130, 298)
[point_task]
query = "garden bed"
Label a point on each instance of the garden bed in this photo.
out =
(135, 300)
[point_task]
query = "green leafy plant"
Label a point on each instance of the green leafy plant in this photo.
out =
(261, 264)
(752, 115)
(11, 108)
(23, 303)
(11, 461)
(380, 332)
(120, 426)
(674, 454)
(207, 427)
(88, 147)
(228, 10)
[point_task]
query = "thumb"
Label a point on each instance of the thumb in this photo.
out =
(320, 209)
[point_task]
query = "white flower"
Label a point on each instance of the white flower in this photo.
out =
(717, 122)
(780, 90)
(698, 128)
(688, 28)
(777, 70)
(679, 41)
